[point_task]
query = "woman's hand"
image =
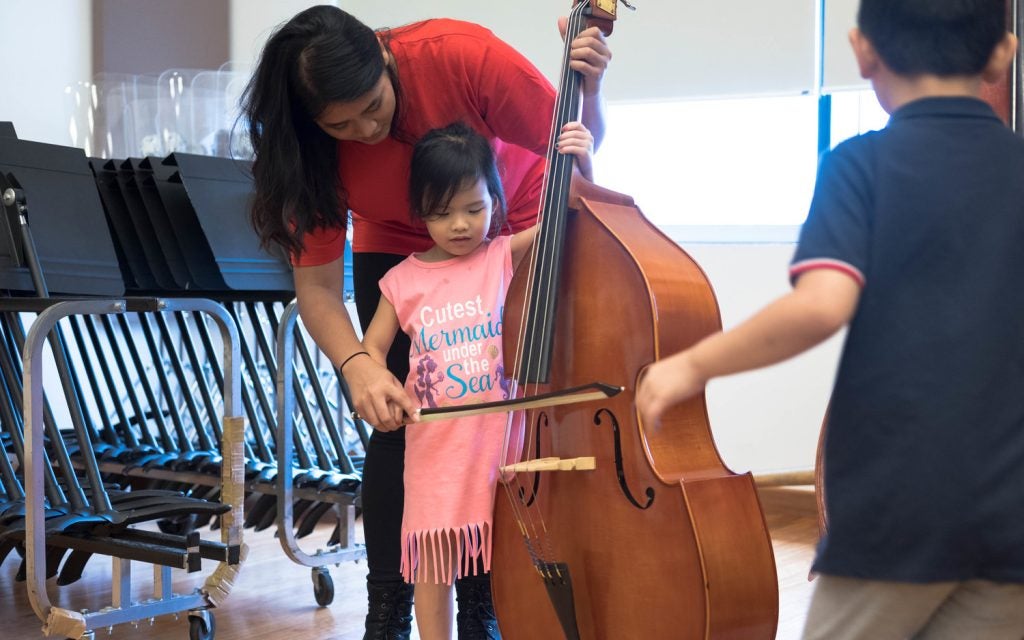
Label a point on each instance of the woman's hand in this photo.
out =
(379, 398)
(577, 140)
(590, 55)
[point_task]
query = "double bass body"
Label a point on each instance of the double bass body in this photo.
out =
(661, 540)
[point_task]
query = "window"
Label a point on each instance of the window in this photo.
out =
(732, 169)
(722, 162)
(853, 113)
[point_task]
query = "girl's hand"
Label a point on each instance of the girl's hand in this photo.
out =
(577, 140)
(377, 395)
(666, 383)
(590, 55)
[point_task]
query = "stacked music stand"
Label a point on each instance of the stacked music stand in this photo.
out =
(64, 409)
(163, 381)
(294, 404)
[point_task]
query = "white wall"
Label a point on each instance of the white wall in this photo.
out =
(655, 48)
(764, 421)
(44, 48)
(840, 70)
(253, 20)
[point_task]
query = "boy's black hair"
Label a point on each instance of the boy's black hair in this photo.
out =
(934, 37)
(448, 159)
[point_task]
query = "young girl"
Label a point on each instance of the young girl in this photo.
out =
(449, 301)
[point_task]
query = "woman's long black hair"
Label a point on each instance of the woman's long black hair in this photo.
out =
(321, 56)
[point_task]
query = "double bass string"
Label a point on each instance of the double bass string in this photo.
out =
(525, 364)
(539, 312)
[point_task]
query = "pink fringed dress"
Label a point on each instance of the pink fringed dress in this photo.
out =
(452, 311)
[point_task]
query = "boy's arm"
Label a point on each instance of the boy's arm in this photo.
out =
(822, 302)
(386, 410)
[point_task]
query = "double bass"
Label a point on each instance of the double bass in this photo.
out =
(613, 529)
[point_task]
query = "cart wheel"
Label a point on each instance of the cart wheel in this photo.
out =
(201, 626)
(323, 586)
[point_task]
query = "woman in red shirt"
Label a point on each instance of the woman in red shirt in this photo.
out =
(334, 109)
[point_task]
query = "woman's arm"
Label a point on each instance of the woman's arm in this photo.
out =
(385, 409)
(381, 332)
(318, 290)
(319, 293)
(590, 56)
(511, 92)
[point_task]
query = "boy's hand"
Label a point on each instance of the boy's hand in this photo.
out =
(667, 383)
(576, 139)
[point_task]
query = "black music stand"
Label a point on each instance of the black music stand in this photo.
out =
(138, 275)
(199, 260)
(157, 233)
(226, 247)
(70, 231)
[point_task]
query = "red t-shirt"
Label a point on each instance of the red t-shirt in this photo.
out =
(448, 70)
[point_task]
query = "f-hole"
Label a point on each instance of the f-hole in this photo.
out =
(542, 421)
(619, 471)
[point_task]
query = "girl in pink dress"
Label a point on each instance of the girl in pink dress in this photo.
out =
(449, 301)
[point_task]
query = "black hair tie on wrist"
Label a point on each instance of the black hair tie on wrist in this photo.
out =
(357, 353)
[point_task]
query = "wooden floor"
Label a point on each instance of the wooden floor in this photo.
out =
(273, 597)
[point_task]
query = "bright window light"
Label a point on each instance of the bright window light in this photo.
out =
(855, 112)
(721, 162)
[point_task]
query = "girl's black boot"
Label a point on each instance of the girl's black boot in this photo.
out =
(475, 618)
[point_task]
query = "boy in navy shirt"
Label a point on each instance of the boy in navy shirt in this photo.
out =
(915, 239)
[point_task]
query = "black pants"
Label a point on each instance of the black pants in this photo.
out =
(383, 487)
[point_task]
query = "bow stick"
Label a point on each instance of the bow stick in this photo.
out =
(582, 393)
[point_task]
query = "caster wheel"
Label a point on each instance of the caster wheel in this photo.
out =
(323, 587)
(201, 626)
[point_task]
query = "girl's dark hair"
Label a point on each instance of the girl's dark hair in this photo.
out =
(321, 56)
(448, 159)
(935, 37)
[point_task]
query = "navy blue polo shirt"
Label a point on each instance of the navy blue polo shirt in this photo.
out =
(924, 448)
